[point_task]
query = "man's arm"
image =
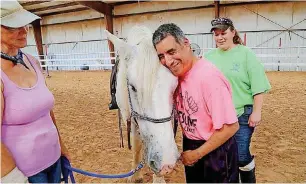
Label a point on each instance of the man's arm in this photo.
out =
(218, 138)
(218, 99)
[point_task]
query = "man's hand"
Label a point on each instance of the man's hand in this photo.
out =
(190, 157)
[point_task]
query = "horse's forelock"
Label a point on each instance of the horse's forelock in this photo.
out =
(137, 34)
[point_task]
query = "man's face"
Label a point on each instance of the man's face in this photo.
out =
(175, 56)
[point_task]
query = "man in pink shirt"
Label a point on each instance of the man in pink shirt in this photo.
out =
(205, 110)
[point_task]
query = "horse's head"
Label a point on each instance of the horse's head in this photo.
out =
(150, 87)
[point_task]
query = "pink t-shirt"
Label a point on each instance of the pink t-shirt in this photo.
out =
(204, 101)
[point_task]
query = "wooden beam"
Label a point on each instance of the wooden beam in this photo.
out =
(29, 3)
(217, 8)
(165, 10)
(98, 6)
(64, 11)
(125, 2)
(53, 7)
(38, 39)
(239, 3)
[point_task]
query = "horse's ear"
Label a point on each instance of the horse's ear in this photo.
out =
(123, 48)
(114, 39)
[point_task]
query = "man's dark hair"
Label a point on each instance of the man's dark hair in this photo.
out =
(166, 30)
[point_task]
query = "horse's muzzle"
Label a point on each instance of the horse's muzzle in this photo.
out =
(167, 169)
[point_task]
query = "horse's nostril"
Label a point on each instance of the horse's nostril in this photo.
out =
(153, 166)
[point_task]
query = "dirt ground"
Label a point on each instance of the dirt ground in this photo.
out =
(90, 130)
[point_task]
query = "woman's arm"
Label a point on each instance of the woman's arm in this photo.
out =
(259, 84)
(7, 161)
(64, 150)
(255, 117)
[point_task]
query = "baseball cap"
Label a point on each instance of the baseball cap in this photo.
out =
(13, 15)
(221, 23)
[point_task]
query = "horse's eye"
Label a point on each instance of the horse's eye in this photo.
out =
(133, 88)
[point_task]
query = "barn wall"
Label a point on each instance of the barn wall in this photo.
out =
(83, 31)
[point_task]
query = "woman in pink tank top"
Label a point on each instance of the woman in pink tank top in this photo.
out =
(30, 142)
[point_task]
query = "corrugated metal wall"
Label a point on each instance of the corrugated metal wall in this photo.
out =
(263, 25)
(292, 50)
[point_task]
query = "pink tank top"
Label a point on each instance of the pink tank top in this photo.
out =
(27, 128)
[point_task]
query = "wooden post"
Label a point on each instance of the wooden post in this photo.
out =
(38, 40)
(217, 8)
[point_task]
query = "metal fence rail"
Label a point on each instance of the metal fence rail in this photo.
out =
(274, 59)
(77, 61)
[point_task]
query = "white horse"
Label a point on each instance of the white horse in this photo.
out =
(145, 91)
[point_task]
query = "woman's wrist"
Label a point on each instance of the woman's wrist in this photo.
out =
(256, 111)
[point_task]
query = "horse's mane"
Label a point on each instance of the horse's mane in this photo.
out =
(147, 64)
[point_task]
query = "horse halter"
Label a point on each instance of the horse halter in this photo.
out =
(136, 115)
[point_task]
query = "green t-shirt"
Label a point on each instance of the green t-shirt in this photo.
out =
(244, 71)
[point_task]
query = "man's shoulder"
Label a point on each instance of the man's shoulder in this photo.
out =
(208, 67)
(209, 72)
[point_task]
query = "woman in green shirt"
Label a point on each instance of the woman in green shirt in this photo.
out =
(249, 82)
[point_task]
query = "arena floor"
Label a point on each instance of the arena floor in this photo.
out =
(90, 130)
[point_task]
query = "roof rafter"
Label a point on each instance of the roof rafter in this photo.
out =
(98, 6)
(64, 11)
(53, 7)
(29, 3)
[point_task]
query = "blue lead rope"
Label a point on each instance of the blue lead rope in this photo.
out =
(67, 171)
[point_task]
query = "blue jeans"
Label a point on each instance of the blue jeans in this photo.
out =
(243, 137)
(50, 175)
